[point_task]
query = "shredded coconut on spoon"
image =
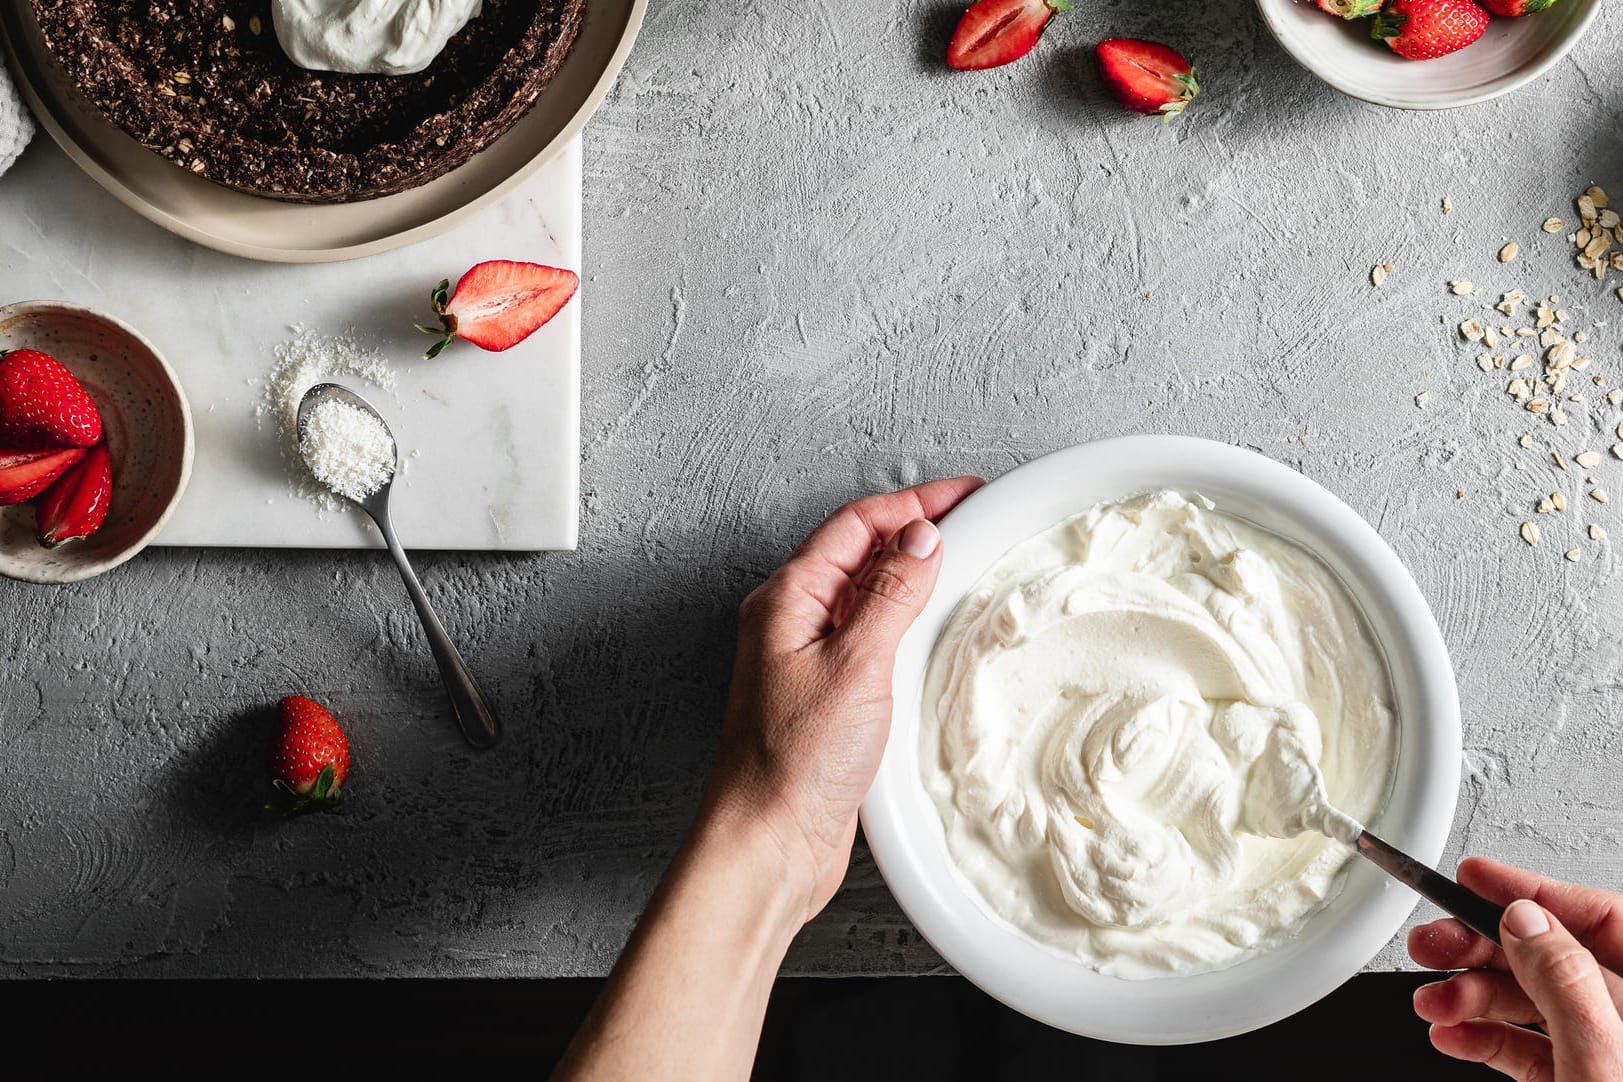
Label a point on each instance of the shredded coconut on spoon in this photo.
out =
(348, 449)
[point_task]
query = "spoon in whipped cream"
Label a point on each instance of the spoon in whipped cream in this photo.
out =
(1286, 797)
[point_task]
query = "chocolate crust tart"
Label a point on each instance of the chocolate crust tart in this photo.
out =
(205, 83)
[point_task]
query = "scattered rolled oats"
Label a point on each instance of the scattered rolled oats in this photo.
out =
(1377, 275)
(1559, 501)
(1471, 330)
(1526, 440)
(1596, 533)
(1460, 286)
(1597, 195)
(1587, 459)
(1448, 205)
(1598, 495)
(1422, 399)
(1539, 405)
(1574, 555)
(1545, 505)
(1509, 252)
(1553, 225)
(1530, 533)
(1521, 362)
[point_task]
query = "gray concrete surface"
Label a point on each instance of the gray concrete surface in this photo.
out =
(820, 265)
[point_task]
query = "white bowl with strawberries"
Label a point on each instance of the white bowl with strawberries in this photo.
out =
(96, 442)
(1428, 54)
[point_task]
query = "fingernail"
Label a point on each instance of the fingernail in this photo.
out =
(919, 538)
(1524, 920)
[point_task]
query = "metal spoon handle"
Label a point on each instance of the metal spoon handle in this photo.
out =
(473, 713)
(1478, 914)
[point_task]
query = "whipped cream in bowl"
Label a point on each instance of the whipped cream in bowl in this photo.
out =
(368, 37)
(1160, 684)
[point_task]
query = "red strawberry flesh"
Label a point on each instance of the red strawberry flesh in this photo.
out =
(500, 303)
(25, 474)
(1146, 76)
(996, 32)
(42, 405)
(76, 505)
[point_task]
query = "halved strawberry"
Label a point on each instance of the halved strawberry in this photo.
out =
(25, 474)
(42, 406)
(996, 32)
(499, 304)
(76, 505)
(1146, 76)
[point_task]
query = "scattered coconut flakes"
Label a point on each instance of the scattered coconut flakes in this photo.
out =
(1509, 252)
(303, 361)
(1530, 533)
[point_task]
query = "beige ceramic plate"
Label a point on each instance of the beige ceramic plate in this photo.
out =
(145, 421)
(257, 228)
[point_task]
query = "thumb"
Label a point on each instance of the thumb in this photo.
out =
(893, 589)
(1564, 981)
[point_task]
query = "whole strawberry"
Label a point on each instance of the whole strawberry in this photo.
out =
(1517, 7)
(1146, 76)
(42, 406)
(996, 32)
(499, 303)
(1427, 29)
(311, 762)
(1349, 9)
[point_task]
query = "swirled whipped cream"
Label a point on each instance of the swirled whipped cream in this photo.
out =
(378, 37)
(1144, 728)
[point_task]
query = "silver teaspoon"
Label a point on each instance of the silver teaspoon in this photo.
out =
(473, 713)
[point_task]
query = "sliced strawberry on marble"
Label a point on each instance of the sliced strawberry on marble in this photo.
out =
(42, 405)
(499, 304)
(76, 505)
(25, 474)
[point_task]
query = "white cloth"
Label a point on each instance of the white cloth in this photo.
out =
(16, 126)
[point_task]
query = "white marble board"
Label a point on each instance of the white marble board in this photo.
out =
(495, 435)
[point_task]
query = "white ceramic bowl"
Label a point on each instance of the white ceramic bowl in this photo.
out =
(905, 832)
(1512, 53)
(145, 421)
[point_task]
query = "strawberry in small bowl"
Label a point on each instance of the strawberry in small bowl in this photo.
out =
(1428, 54)
(96, 442)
